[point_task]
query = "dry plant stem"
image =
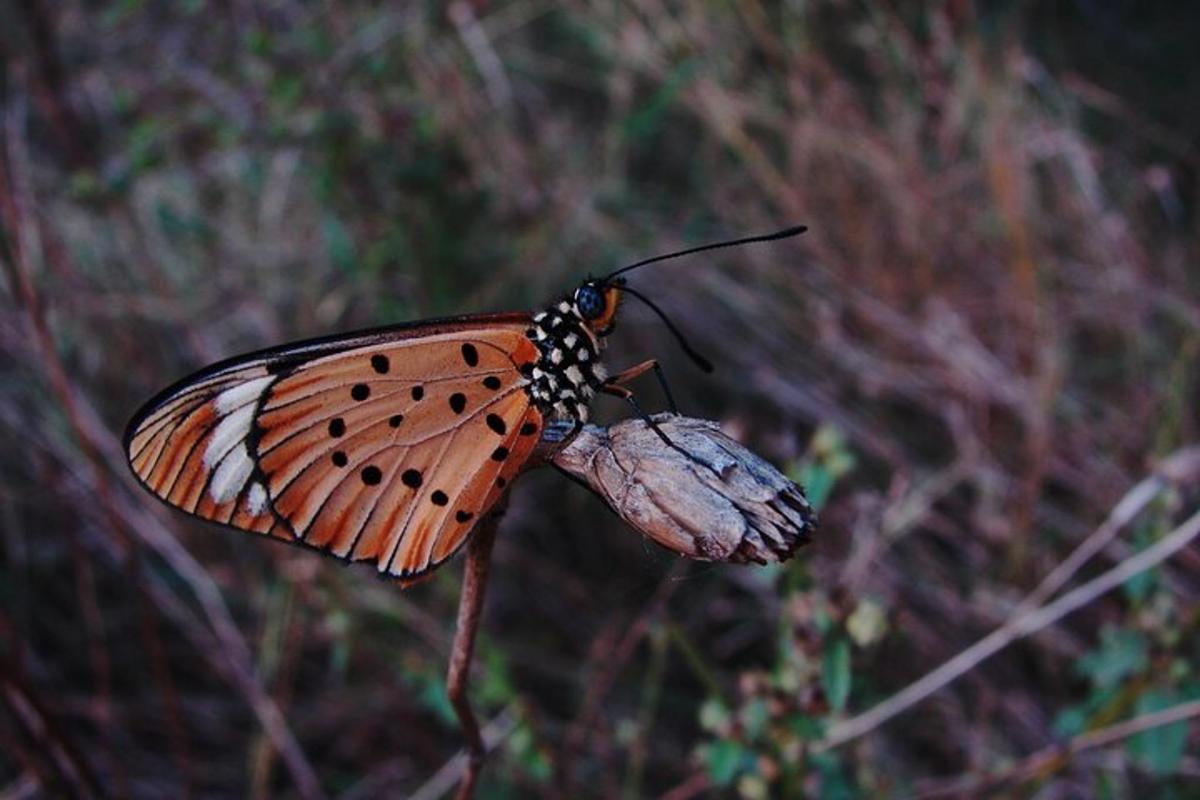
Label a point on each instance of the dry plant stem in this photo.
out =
(52, 757)
(1130, 506)
(606, 676)
(1016, 628)
(453, 770)
(1055, 756)
(698, 785)
(475, 40)
(470, 604)
(91, 436)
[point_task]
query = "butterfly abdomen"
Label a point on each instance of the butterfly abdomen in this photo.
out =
(568, 372)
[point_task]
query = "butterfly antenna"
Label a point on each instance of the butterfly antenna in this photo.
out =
(770, 237)
(700, 361)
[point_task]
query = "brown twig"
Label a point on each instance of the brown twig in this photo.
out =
(1011, 631)
(470, 605)
(454, 771)
(23, 238)
(89, 435)
(601, 683)
(1054, 757)
(51, 755)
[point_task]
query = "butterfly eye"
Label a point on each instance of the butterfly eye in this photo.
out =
(590, 301)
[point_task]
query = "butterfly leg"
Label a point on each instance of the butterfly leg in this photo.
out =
(470, 604)
(627, 396)
(637, 370)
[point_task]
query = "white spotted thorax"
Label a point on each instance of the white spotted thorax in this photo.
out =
(568, 373)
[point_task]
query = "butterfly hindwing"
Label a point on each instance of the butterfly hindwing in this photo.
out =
(379, 453)
(189, 450)
(385, 448)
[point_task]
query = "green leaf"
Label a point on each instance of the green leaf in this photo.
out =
(523, 745)
(755, 717)
(1139, 587)
(1071, 721)
(1158, 749)
(432, 695)
(834, 785)
(725, 759)
(496, 687)
(1121, 653)
(713, 715)
(338, 243)
(817, 483)
(649, 119)
(807, 728)
(835, 673)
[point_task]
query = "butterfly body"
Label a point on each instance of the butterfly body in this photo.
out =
(384, 446)
(568, 373)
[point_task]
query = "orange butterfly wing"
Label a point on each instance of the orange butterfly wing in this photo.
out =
(384, 447)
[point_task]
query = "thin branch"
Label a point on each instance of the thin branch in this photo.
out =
(128, 527)
(475, 40)
(1122, 514)
(602, 682)
(1055, 756)
(446, 778)
(1011, 631)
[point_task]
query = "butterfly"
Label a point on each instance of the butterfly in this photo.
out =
(384, 446)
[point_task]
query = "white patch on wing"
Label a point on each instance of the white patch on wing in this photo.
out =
(231, 475)
(256, 499)
(241, 394)
(574, 375)
(232, 429)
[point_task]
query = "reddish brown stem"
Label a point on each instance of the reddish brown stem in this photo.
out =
(470, 605)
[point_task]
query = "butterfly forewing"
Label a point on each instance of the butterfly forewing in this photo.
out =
(384, 448)
(190, 445)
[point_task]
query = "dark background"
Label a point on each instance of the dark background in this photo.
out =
(988, 336)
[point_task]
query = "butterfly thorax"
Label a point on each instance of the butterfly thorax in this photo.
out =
(568, 372)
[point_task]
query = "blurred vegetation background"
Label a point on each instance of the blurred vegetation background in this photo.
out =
(986, 342)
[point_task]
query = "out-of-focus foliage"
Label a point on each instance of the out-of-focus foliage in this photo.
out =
(989, 335)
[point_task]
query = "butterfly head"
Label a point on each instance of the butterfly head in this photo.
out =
(596, 303)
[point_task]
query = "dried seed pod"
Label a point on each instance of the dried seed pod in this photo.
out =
(706, 497)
